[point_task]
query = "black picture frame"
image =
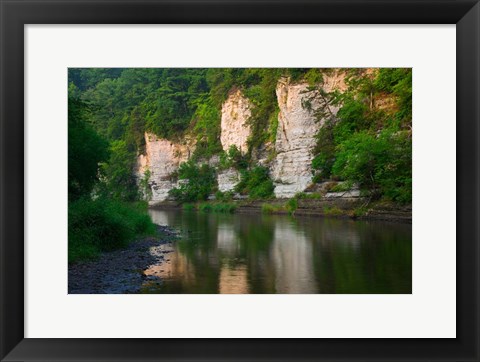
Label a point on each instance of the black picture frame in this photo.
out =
(15, 14)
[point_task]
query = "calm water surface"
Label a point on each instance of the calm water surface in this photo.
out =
(255, 253)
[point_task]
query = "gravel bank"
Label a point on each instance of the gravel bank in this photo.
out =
(122, 271)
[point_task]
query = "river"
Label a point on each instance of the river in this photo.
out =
(256, 253)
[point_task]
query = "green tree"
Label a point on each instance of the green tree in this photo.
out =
(86, 149)
(198, 182)
(256, 183)
(118, 180)
(380, 163)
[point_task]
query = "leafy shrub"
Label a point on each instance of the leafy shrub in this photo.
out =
(398, 81)
(198, 185)
(224, 196)
(207, 128)
(225, 207)
(85, 150)
(291, 205)
(205, 207)
(381, 163)
(144, 186)
(103, 225)
(307, 195)
(364, 143)
(118, 179)
(342, 186)
(233, 158)
(360, 211)
(300, 195)
(217, 207)
(256, 183)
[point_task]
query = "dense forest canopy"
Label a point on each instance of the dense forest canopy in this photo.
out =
(368, 142)
(170, 101)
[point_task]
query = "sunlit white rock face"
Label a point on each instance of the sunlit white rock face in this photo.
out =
(235, 129)
(227, 179)
(291, 170)
(162, 157)
(295, 139)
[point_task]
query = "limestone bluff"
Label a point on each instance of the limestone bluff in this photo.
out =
(290, 168)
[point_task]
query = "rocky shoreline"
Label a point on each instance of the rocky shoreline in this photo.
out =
(122, 271)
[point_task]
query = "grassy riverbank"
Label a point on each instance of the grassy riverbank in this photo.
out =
(96, 226)
(341, 208)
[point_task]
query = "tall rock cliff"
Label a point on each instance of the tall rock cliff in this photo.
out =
(297, 126)
(162, 158)
(234, 124)
(291, 169)
(295, 139)
(235, 130)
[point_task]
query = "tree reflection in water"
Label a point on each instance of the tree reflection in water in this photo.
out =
(254, 253)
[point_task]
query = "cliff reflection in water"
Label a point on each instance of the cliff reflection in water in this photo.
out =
(254, 253)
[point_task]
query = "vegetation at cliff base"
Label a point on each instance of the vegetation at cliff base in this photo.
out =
(99, 219)
(256, 183)
(255, 178)
(199, 182)
(104, 225)
(365, 138)
(369, 141)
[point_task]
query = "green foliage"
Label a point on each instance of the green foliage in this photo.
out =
(342, 186)
(300, 195)
(86, 149)
(265, 106)
(225, 207)
(103, 225)
(199, 182)
(118, 180)
(258, 84)
(381, 163)
(325, 151)
(218, 207)
(207, 128)
(205, 207)
(224, 196)
(360, 211)
(233, 158)
(135, 131)
(256, 183)
(85, 78)
(367, 143)
(398, 81)
(314, 76)
(221, 82)
(188, 207)
(332, 211)
(170, 102)
(176, 95)
(163, 101)
(291, 205)
(272, 208)
(144, 186)
(273, 126)
(125, 103)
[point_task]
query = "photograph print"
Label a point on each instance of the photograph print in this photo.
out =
(240, 180)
